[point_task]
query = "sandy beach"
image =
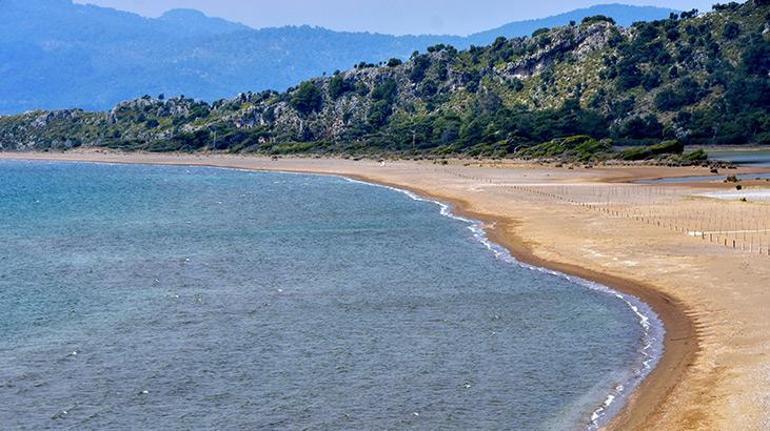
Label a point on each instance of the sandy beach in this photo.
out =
(712, 292)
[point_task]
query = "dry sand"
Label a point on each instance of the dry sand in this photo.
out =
(713, 301)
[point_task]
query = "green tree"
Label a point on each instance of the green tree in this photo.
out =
(338, 86)
(307, 98)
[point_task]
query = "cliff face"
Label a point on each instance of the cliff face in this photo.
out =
(695, 78)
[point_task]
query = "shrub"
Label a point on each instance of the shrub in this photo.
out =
(687, 92)
(581, 148)
(386, 90)
(695, 156)
(307, 98)
(650, 151)
(338, 86)
(420, 66)
(731, 30)
(393, 62)
(598, 18)
(379, 113)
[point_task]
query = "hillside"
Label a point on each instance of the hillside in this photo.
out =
(579, 90)
(55, 54)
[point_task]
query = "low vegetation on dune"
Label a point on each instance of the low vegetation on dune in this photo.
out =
(587, 91)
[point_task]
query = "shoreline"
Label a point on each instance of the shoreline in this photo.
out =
(680, 343)
(652, 325)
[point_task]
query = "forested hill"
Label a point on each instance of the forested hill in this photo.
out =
(58, 54)
(578, 91)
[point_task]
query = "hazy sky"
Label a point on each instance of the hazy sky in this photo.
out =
(385, 16)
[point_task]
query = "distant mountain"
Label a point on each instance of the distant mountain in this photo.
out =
(56, 54)
(624, 16)
(190, 22)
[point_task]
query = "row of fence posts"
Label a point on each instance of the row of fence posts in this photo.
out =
(737, 225)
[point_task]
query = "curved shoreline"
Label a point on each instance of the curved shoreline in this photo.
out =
(680, 343)
(681, 340)
(653, 328)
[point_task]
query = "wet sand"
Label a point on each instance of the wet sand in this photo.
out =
(713, 301)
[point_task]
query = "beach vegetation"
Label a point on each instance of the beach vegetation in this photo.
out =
(582, 148)
(672, 147)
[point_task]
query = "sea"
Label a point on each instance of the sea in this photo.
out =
(177, 298)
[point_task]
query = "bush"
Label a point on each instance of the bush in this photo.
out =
(393, 62)
(628, 74)
(420, 66)
(581, 148)
(648, 152)
(386, 90)
(647, 127)
(756, 58)
(307, 98)
(338, 86)
(598, 18)
(687, 92)
(379, 113)
(695, 156)
(731, 30)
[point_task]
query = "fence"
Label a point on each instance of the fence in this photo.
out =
(734, 224)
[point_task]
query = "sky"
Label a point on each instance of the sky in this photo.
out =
(459, 17)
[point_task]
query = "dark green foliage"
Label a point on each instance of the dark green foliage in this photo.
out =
(393, 62)
(644, 153)
(386, 90)
(641, 128)
(598, 18)
(725, 7)
(629, 75)
(379, 113)
(731, 30)
(756, 57)
(582, 148)
(186, 141)
(307, 98)
(695, 156)
(686, 93)
(651, 80)
(383, 95)
(420, 65)
(338, 86)
(516, 85)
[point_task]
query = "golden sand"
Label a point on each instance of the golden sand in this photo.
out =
(714, 300)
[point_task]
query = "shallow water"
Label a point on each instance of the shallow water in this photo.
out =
(742, 157)
(144, 297)
(708, 178)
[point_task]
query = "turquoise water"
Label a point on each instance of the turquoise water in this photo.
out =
(174, 298)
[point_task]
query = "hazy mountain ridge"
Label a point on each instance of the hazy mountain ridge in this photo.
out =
(56, 54)
(623, 15)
